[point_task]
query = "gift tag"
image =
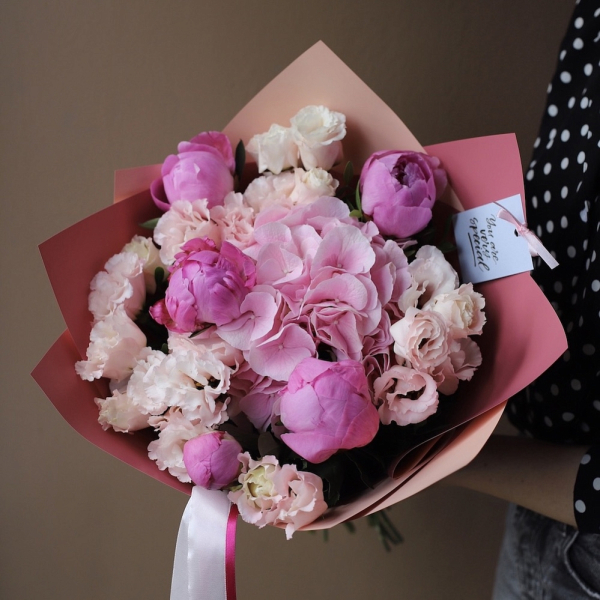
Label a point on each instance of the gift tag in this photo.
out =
(488, 246)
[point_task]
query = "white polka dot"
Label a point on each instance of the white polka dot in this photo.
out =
(564, 222)
(597, 405)
(547, 168)
(580, 322)
(595, 285)
(593, 255)
(578, 43)
(588, 69)
(574, 281)
(534, 201)
(571, 252)
(585, 427)
(552, 134)
(571, 102)
(597, 12)
(585, 102)
(580, 506)
(538, 230)
(558, 287)
(564, 192)
(562, 54)
(564, 163)
(585, 167)
(548, 421)
(529, 175)
(576, 385)
(554, 390)
(565, 135)
(566, 356)
(588, 349)
(552, 110)
(578, 23)
(585, 129)
(581, 157)
(549, 88)
(549, 226)
(550, 144)
(536, 143)
(570, 327)
(574, 299)
(596, 484)
(547, 196)
(568, 416)
(585, 459)
(565, 77)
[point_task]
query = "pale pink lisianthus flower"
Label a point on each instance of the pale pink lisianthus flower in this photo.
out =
(406, 396)
(462, 308)
(211, 459)
(463, 359)
(235, 220)
(274, 494)
(184, 221)
(120, 413)
(116, 342)
(327, 407)
(174, 431)
(431, 275)
(149, 255)
(120, 284)
(421, 339)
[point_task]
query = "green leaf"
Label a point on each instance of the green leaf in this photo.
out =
(357, 197)
(165, 349)
(151, 224)
(446, 247)
(240, 159)
(356, 213)
(348, 173)
(202, 330)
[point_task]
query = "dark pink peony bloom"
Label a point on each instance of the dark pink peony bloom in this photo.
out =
(399, 189)
(202, 170)
(327, 407)
(207, 285)
(211, 460)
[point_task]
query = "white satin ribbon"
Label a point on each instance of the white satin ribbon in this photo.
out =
(199, 572)
(536, 248)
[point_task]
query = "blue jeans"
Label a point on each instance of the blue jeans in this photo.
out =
(542, 559)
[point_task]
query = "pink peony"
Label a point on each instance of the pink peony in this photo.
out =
(327, 407)
(202, 170)
(406, 396)
(211, 460)
(207, 286)
(399, 189)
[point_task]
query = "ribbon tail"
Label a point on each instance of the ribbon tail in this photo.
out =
(204, 566)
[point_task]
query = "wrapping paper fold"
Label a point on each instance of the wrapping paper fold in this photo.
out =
(522, 338)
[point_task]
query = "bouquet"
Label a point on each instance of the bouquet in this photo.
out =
(292, 339)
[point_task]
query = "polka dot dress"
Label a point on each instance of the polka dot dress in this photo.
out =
(562, 187)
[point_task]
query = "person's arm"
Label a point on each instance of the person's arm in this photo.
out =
(535, 474)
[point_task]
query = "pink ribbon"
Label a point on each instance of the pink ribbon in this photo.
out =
(536, 248)
(204, 567)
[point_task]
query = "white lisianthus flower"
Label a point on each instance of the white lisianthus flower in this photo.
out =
(274, 150)
(184, 221)
(119, 412)
(120, 284)
(116, 343)
(312, 184)
(148, 253)
(318, 132)
(174, 431)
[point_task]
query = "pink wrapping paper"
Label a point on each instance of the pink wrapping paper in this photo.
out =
(522, 338)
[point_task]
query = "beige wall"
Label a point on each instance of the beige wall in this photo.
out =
(92, 86)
